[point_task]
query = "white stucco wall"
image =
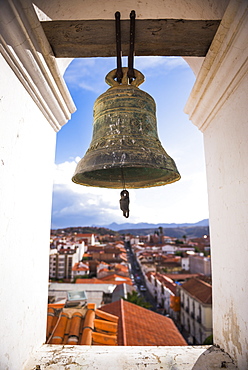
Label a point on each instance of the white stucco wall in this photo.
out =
(218, 106)
(26, 171)
(226, 157)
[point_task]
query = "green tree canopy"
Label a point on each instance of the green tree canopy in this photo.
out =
(135, 298)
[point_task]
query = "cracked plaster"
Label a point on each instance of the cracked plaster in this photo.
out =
(51, 357)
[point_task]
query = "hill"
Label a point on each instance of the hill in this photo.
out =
(145, 225)
(85, 230)
(173, 232)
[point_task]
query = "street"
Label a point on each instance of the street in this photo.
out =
(138, 278)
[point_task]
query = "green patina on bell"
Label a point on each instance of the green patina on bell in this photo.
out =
(125, 150)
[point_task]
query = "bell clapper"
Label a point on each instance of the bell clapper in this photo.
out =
(124, 201)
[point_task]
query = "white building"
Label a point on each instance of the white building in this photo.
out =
(87, 239)
(61, 264)
(169, 248)
(81, 249)
(185, 263)
(161, 288)
(80, 269)
(35, 103)
(200, 265)
(63, 259)
(196, 309)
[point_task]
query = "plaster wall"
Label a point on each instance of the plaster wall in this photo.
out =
(226, 157)
(200, 265)
(185, 263)
(166, 296)
(218, 106)
(207, 317)
(96, 9)
(26, 165)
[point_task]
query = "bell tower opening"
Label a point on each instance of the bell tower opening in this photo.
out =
(217, 106)
(169, 80)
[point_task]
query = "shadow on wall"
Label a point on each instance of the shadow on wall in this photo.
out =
(214, 358)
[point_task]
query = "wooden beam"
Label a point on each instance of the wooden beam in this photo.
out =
(96, 38)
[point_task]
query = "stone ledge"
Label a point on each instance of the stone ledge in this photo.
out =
(56, 357)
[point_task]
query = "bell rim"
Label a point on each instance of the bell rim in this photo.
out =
(168, 177)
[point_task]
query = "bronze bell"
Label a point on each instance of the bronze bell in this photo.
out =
(125, 151)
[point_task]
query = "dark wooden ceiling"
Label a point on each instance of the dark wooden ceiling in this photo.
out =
(165, 37)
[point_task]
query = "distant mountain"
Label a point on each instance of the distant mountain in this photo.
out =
(174, 232)
(84, 230)
(143, 225)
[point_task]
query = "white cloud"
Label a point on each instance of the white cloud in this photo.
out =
(88, 74)
(74, 204)
(159, 63)
(79, 68)
(72, 201)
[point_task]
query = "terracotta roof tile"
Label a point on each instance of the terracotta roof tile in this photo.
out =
(58, 333)
(103, 339)
(106, 316)
(177, 277)
(116, 277)
(80, 325)
(105, 281)
(84, 235)
(75, 328)
(138, 326)
(103, 270)
(199, 289)
(78, 267)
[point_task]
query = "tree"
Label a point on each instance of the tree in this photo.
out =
(209, 340)
(134, 297)
(179, 253)
(178, 241)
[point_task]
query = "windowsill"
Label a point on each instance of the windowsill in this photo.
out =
(51, 357)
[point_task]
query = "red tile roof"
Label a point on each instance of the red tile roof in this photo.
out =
(102, 281)
(82, 326)
(116, 277)
(80, 267)
(138, 326)
(167, 282)
(198, 289)
(84, 235)
(103, 270)
(177, 277)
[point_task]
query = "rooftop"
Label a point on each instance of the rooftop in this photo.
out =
(119, 323)
(111, 280)
(177, 277)
(138, 326)
(81, 325)
(199, 289)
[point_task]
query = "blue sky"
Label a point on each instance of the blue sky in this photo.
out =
(169, 81)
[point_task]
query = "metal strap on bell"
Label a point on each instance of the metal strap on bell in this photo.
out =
(125, 150)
